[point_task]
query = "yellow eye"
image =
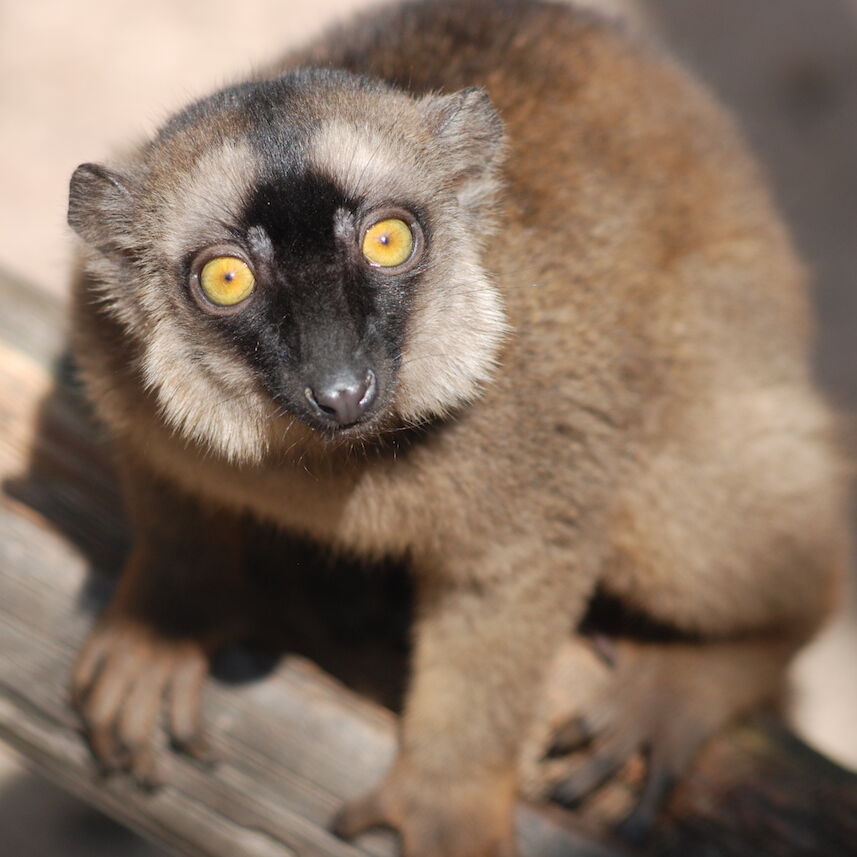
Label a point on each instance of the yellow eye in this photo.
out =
(388, 243)
(226, 281)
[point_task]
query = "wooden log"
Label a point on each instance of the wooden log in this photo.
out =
(294, 744)
(761, 791)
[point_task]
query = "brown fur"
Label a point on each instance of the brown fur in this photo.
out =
(625, 404)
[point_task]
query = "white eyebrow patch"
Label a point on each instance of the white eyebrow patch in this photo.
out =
(363, 160)
(343, 224)
(259, 242)
(211, 193)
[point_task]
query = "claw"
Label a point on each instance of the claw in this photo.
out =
(577, 733)
(660, 701)
(146, 772)
(360, 815)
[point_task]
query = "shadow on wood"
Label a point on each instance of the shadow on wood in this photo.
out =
(350, 619)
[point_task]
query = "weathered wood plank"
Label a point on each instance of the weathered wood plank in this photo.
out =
(198, 813)
(32, 321)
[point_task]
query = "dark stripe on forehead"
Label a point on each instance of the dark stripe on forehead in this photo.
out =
(298, 211)
(315, 285)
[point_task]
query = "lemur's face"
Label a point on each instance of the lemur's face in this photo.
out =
(306, 248)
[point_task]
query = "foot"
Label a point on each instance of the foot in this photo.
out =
(665, 701)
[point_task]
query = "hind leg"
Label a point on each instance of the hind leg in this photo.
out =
(732, 535)
(664, 700)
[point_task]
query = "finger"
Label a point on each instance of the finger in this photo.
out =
(608, 755)
(185, 705)
(586, 778)
(585, 728)
(671, 752)
(89, 661)
(145, 768)
(103, 704)
(576, 733)
(137, 724)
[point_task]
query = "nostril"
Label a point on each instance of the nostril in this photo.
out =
(343, 400)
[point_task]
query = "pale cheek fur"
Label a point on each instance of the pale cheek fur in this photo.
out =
(202, 393)
(220, 410)
(455, 333)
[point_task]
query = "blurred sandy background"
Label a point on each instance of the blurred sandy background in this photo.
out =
(82, 77)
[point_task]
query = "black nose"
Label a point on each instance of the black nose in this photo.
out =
(344, 399)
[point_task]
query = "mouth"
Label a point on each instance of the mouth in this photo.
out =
(366, 428)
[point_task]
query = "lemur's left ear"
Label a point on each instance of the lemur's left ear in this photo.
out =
(469, 128)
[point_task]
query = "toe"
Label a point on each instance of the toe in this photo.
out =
(102, 708)
(137, 723)
(145, 768)
(88, 665)
(122, 680)
(659, 780)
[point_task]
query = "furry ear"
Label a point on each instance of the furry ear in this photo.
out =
(469, 128)
(100, 208)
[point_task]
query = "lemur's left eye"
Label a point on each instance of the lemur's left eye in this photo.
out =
(388, 243)
(226, 281)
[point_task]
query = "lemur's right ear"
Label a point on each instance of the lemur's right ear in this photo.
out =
(100, 208)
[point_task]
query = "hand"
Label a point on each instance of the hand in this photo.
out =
(124, 677)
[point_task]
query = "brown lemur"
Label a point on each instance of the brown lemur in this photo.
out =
(486, 285)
